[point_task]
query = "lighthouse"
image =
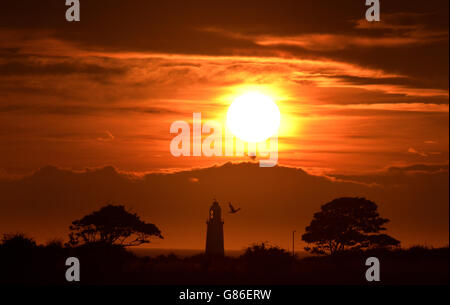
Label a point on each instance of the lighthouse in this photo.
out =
(214, 233)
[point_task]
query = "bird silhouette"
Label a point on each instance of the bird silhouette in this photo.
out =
(232, 209)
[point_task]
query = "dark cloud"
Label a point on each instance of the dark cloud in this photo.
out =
(419, 168)
(23, 67)
(178, 27)
(74, 110)
(405, 81)
(399, 175)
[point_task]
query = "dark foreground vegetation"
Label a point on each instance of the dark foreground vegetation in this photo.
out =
(22, 261)
(342, 236)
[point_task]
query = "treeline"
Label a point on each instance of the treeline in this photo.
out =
(22, 261)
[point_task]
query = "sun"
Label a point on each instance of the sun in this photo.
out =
(253, 117)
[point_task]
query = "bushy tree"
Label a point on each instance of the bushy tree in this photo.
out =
(112, 225)
(347, 223)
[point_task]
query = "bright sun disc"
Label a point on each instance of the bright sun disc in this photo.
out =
(253, 117)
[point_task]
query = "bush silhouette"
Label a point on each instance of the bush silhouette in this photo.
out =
(267, 259)
(17, 242)
(112, 225)
(347, 224)
(265, 251)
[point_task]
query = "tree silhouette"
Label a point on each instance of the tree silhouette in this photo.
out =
(347, 223)
(112, 225)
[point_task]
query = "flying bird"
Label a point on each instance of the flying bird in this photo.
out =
(232, 209)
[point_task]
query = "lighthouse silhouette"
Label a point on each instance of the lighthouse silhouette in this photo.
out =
(214, 233)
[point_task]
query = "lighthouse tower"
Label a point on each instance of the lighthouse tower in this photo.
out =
(214, 233)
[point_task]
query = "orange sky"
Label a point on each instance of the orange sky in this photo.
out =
(355, 97)
(73, 101)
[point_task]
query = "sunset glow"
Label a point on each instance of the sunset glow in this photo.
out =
(253, 117)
